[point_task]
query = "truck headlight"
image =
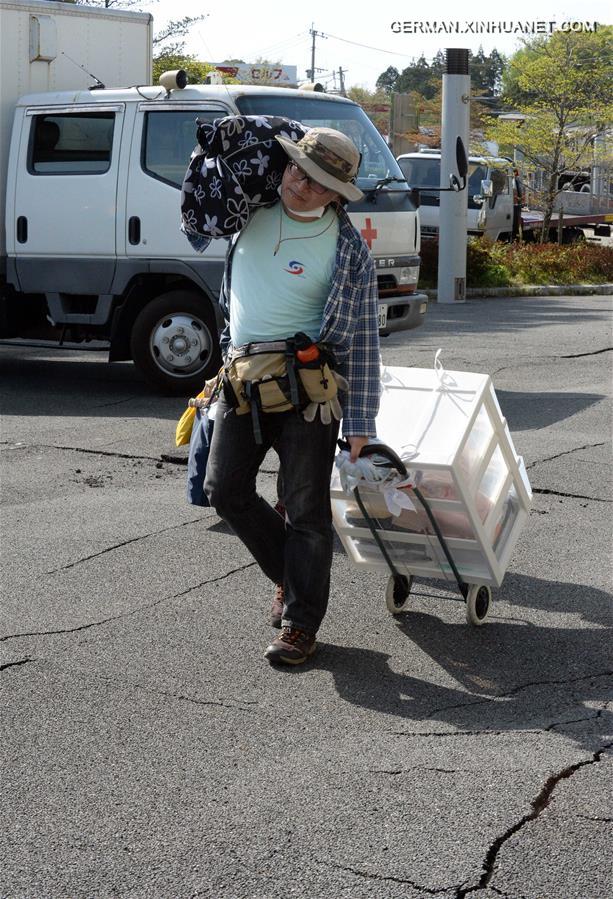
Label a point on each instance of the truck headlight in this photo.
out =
(407, 276)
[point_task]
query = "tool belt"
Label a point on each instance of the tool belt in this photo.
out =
(272, 377)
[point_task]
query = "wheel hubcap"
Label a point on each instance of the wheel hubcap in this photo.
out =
(181, 344)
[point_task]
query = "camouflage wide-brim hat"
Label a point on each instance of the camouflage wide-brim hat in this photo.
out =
(328, 157)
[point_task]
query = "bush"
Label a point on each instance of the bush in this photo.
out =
(504, 265)
(554, 264)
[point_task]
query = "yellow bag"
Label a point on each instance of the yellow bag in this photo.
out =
(186, 423)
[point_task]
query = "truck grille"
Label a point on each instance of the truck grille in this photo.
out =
(386, 282)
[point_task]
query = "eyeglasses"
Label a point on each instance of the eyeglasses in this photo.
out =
(298, 175)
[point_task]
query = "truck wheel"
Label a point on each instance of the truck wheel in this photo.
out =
(572, 235)
(174, 342)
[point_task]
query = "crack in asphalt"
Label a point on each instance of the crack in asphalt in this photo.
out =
(596, 819)
(545, 359)
(394, 771)
(565, 453)
(79, 449)
(593, 499)
(458, 733)
(213, 580)
(15, 664)
(598, 714)
(115, 403)
(123, 543)
(144, 608)
(539, 804)
(386, 877)
(172, 694)
(507, 694)
(515, 690)
(607, 349)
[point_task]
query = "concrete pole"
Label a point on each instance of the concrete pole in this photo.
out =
(453, 208)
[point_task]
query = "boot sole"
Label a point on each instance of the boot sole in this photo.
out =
(285, 660)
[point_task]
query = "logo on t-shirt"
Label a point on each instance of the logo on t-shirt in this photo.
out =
(295, 267)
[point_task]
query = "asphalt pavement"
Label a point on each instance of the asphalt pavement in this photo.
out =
(149, 750)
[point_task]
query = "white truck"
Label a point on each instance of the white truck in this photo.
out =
(490, 209)
(491, 197)
(92, 247)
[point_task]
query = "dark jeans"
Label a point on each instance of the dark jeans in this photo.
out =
(298, 552)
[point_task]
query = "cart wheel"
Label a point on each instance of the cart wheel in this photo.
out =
(397, 594)
(478, 604)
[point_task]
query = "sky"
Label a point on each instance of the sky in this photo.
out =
(359, 37)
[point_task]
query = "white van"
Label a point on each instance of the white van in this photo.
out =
(490, 215)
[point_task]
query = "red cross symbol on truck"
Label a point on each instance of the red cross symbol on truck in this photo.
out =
(369, 233)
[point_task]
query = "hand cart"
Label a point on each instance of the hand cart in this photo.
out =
(455, 497)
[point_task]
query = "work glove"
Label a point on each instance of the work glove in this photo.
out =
(204, 400)
(326, 411)
(341, 382)
(330, 407)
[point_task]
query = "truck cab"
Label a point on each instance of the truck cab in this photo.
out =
(93, 245)
(490, 193)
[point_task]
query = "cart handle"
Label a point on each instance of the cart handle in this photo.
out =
(378, 449)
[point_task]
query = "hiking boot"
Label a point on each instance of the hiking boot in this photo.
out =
(276, 612)
(291, 647)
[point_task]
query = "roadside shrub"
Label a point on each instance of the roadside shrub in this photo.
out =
(500, 265)
(566, 264)
(428, 270)
(486, 264)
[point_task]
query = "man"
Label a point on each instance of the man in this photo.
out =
(299, 266)
(518, 203)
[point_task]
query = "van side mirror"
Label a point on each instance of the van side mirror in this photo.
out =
(487, 188)
(461, 160)
(455, 183)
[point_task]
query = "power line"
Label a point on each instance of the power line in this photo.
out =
(284, 44)
(368, 46)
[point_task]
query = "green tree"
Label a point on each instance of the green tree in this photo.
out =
(563, 86)
(196, 69)
(388, 79)
(424, 77)
(375, 104)
(417, 77)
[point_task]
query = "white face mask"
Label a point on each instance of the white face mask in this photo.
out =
(311, 214)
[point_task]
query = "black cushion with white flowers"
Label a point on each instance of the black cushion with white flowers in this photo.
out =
(236, 168)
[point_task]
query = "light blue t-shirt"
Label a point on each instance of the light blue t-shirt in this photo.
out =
(273, 296)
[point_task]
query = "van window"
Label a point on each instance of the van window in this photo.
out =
(170, 138)
(72, 143)
(425, 170)
(500, 182)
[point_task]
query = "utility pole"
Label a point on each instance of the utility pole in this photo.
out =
(453, 209)
(314, 34)
(341, 76)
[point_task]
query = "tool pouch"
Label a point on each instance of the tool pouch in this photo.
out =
(256, 380)
(318, 382)
(261, 377)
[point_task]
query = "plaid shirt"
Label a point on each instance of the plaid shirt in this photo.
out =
(349, 324)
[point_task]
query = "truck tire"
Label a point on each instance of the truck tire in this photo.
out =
(174, 342)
